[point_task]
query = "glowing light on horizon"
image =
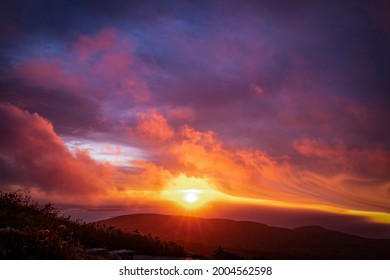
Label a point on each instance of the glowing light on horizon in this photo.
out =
(191, 196)
(190, 192)
(194, 193)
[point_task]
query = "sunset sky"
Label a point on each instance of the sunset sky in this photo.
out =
(274, 111)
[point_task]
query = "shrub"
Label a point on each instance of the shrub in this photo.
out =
(37, 231)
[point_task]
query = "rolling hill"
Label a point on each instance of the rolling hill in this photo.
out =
(253, 240)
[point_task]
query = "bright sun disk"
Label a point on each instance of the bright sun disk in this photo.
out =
(190, 192)
(191, 196)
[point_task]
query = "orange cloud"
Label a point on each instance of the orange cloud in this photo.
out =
(153, 126)
(253, 174)
(33, 155)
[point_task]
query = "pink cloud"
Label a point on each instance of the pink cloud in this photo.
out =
(88, 46)
(33, 155)
(49, 75)
(101, 66)
(365, 162)
(180, 113)
(256, 90)
(321, 149)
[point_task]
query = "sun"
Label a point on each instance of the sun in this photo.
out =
(189, 192)
(191, 196)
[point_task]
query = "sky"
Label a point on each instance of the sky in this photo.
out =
(274, 111)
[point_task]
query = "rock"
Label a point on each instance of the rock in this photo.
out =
(123, 254)
(99, 252)
(8, 231)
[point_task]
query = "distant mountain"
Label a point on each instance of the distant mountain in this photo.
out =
(253, 240)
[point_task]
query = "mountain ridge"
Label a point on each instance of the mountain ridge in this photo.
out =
(252, 239)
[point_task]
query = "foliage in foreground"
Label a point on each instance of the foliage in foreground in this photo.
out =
(223, 254)
(33, 231)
